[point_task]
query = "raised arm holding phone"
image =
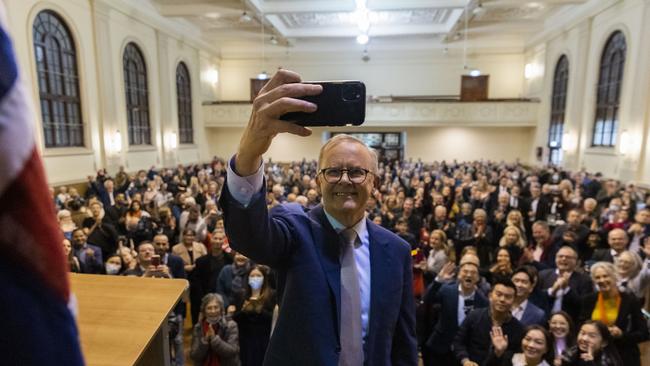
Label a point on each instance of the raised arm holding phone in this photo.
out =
(347, 294)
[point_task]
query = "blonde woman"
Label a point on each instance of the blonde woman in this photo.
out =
(439, 251)
(619, 311)
(516, 219)
(65, 223)
(513, 242)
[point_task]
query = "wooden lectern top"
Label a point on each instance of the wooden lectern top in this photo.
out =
(119, 316)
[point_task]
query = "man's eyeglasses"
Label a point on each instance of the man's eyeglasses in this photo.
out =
(355, 175)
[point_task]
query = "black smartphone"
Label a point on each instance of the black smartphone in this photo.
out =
(155, 260)
(341, 103)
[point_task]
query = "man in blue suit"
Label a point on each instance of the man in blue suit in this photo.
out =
(525, 280)
(454, 299)
(345, 283)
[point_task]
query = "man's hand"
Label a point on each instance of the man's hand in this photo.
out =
(499, 340)
(561, 282)
(447, 272)
(90, 253)
(189, 267)
(163, 269)
(150, 271)
(278, 97)
(469, 363)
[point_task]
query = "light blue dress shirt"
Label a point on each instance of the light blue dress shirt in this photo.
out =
(243, 188)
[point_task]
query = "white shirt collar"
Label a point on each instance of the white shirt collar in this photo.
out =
(360, 227)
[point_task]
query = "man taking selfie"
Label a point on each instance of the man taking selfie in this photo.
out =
(347, 282)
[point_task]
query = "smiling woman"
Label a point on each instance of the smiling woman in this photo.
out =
(536, 348)
(619, 311)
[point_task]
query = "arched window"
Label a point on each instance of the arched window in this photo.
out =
(137, 96)
(609, 91)
(184, 101)
(58, 81)
(558, 108)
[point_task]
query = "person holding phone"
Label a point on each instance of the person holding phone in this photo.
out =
(148, 263)
(348, 296)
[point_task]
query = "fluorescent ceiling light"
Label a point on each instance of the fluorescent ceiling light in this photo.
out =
(362, 39)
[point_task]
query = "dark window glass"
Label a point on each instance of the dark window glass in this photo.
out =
(184, 101)
(609, 91)
(558, 109)
(58, 81)
(137, 96)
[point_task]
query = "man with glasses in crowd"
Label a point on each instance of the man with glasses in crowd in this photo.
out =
(564, 285)
(347, 282)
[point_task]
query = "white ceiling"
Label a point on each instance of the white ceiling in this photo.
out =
(332, 25)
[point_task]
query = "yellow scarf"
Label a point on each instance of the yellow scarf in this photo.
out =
(606, 310)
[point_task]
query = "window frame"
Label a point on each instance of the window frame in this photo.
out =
(136, 92)
(57, 78)
(608, 91)
(558, 109)
(184, 104)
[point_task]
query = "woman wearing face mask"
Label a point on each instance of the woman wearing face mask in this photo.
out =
(215, 339)
(536, 348)
(619, 311)
(114, 265)
(593, 348)
(562, 333)
(254, 318)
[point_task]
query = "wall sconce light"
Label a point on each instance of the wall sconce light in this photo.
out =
(171, 141)
(567, 141)
(212, 76)
(115, 142)
(532, 71)
(626, 142)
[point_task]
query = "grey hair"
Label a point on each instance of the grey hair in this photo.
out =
(349, 138)
(638, 263)
(208, 298)
(480, 211)
(607, 267)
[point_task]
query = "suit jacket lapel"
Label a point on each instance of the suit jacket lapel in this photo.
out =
(454, 304)
(328, 244)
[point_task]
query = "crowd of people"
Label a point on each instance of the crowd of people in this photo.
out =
(511, 265)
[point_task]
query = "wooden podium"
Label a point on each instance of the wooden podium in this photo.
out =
(123, 320)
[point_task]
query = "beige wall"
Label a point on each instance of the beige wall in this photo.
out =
(401, 74)
(582, 39)
(427, 143)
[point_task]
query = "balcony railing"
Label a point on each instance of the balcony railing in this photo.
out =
(412, 113)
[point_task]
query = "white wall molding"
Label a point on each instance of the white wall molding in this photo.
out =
(480, 114)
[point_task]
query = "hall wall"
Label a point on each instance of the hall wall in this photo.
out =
(100, 30)
(428, 143)
(401, 74)
(581, 36)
